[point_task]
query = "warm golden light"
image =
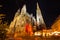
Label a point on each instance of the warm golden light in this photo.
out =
(37, 33)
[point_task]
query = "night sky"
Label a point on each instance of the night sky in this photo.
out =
(50, 9)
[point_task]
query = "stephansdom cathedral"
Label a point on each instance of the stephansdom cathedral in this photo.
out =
(26, 23)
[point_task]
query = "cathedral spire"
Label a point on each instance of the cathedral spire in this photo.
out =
(39, 16)
(23, 9)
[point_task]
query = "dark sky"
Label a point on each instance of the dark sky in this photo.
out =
(50, 9)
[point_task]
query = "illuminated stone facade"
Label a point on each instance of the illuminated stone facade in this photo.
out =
(56, 25)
